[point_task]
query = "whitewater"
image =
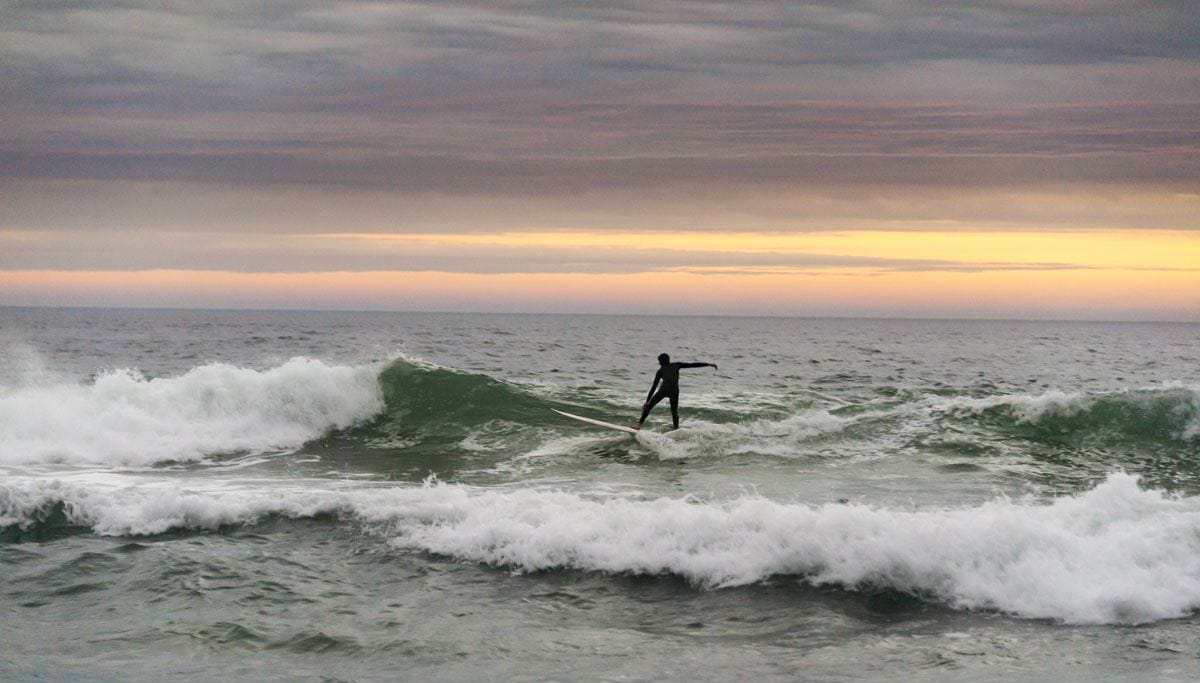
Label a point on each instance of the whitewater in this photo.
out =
(370, 496)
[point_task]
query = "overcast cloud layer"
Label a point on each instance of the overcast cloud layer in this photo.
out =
(139, 135)
(543, 97)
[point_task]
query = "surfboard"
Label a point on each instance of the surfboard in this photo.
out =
(598, 423)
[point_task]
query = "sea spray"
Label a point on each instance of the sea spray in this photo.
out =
(123, 418)
(1114, 554)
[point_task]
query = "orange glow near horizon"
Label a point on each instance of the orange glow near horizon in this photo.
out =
(1094, 274)
(1110, 249)
(1162, 294)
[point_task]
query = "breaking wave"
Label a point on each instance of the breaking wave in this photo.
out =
(122, 418)
(1167, 414)
(1117, 553)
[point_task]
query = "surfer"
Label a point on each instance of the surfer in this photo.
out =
(668, 375)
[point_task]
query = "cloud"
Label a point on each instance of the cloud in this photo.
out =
(536, 102)
(117, 206)
(562, 97)
(357, 57)
(558, 176)
(560, 37)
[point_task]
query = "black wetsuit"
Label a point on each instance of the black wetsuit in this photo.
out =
(669, 376)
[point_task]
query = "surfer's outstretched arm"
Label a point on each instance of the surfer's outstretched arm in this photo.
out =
(698, 365)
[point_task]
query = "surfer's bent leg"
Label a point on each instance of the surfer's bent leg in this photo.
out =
(675, 409)
(653, 402)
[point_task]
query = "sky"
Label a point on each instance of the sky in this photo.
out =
(988, 159)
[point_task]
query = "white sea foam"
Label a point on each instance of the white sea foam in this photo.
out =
(112, 509)
(470, 443)
(563, 446)
(524, 464)
(1192, 430)
(1115, 554)
(785, 438)
(1032, 408)
(1029, 408)
(664, 446)
(122, 418)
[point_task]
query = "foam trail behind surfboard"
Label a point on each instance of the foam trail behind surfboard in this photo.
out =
(827, 397)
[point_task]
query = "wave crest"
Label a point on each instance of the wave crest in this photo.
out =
(1167, 414)
(1115, 554)
(123, 418)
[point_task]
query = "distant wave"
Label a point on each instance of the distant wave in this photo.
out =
(122, 418)
(1166, 414)
(1115, 554)
(1163, 420)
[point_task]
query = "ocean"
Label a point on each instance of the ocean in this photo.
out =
(243, 495)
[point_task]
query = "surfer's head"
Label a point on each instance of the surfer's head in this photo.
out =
(663, 359)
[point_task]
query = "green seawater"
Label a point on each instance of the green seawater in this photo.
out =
(378, 496)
